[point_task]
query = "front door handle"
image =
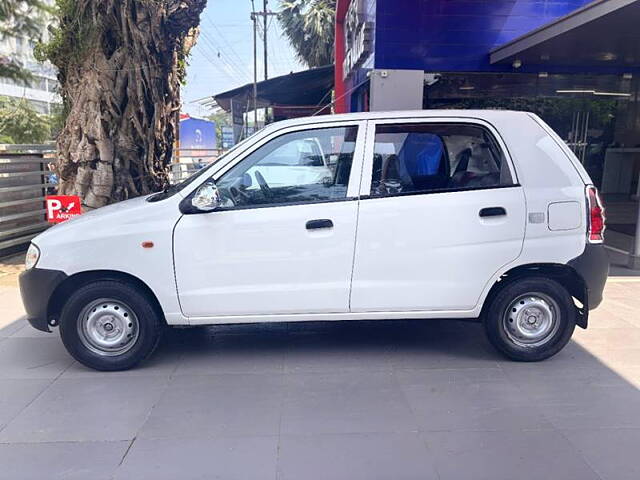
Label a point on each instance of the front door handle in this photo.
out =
(493, 212)
(320, 223)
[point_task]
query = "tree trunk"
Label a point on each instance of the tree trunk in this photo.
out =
(121, 91)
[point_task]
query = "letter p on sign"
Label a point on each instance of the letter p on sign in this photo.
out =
(61, 208)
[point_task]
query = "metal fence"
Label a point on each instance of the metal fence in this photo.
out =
(24, 180)
(190, 161)
(24, 183)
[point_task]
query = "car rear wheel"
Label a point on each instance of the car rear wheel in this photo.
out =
(110, 325)
(530, 319)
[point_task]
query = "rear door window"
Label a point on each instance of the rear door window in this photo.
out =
(430, 157)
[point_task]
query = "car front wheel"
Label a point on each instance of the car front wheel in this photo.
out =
(530, 319)
(109, 325)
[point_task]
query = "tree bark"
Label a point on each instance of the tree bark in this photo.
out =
(122, 96)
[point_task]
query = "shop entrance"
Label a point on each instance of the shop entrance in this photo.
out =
(598, 116)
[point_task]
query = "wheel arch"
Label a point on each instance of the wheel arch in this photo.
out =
(70, 284)
(563, 274)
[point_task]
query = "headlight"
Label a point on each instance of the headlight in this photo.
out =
(33, 254)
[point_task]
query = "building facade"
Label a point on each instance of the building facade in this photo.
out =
(576, 63)
(41, 91)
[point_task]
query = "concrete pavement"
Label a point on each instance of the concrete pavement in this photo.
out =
(359, 400)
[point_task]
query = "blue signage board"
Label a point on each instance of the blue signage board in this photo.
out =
(453, 35)
(197, 134)
(228, 137)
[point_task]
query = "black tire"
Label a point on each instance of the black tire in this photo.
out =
(500, 327)
(148, 330)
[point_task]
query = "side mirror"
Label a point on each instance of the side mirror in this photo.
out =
(206, 198)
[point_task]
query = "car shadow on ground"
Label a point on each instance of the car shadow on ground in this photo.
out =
(386, 341)
(437, 344)
(384, 399)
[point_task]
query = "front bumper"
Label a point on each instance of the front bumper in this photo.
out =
(593, 268)
(36, 287)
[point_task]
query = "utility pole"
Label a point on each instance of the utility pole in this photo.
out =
(265, 14)
(254, 19)
(264, 34)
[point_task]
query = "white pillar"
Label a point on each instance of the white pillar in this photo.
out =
(396, 90)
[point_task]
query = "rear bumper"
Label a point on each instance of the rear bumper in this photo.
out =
(36, 287)
(593, 268)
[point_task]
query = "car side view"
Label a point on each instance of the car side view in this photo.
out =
(480, 215)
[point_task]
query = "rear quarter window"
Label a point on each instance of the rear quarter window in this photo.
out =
(539, 160)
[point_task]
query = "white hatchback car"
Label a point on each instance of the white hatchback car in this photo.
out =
(431, 214)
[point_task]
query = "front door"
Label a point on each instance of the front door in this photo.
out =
(441, 213)
(283, 241)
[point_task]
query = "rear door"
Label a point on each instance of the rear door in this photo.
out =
(441, 213)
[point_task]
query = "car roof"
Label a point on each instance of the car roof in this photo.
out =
(487, 115)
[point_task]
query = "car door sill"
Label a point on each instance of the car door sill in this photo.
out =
(319, 317)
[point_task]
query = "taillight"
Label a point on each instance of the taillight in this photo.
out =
(595, 216)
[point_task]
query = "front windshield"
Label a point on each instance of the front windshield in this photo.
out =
(173, 189)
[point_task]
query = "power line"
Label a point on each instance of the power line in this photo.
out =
(265, 38)
(218, 53)
(255, 65)
(230, 47)
(265, 14)
(213, 63)
(218, 65)
(229, 51)
(222, 52)
(282, 59)
(278, 61)
(351, 90)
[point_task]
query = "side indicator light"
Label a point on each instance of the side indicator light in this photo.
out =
(147, 244)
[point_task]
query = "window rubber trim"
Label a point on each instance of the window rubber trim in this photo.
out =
(440, 190)
(272, 205)
(350, 199)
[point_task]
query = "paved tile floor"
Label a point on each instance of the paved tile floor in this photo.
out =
(366, 400)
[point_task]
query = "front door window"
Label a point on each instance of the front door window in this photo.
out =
(298, 167)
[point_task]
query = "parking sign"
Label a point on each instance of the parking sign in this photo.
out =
(61, 208)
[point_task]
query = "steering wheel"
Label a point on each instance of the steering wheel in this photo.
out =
(238, 196)
(266, 189)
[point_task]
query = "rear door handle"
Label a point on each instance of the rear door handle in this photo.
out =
(320, 223)
(493, 212)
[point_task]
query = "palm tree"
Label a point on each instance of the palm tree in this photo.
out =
(309, 25)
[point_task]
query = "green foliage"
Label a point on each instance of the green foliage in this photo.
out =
(21, 16)
(57, 119)
(309, 25)
(76, 30)
(21, 123)
(221, 119)
(69, 39)
(20, 19)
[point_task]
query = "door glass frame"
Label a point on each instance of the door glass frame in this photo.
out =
(367, 166)
(355, 175)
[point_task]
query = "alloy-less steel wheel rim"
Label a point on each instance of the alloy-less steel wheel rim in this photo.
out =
(531, 320)
(108, 327)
